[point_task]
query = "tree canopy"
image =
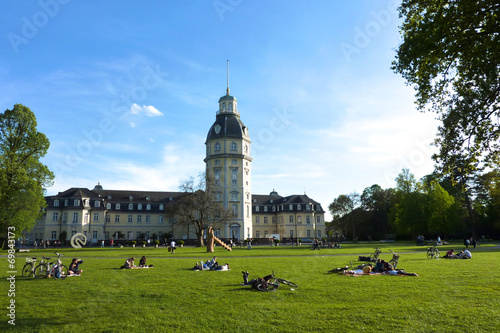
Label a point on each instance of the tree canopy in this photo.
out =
(450, 53)
(22, 176)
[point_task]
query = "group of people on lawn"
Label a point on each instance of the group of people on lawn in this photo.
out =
(210, 265)
(381, 267)
(130, 263)
(464, 254)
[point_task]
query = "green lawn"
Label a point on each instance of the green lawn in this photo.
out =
(447, 296)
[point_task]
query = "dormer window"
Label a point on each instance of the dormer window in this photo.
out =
(131, 198)
(97, 203)
(148, 207)
(76, 203)
(130, 206)
(139, 206)
(108, 206)
(109, 197)
(298, 207)
(161, 206)
(56, 203)
(117, 206)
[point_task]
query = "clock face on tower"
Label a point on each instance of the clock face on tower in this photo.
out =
(217, 128)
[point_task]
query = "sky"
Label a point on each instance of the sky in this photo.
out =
(126, 91)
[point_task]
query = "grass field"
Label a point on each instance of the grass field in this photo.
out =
(446, 296)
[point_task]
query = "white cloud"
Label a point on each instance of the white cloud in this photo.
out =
(147, 110)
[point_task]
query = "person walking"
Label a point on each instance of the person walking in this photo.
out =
(172, 246)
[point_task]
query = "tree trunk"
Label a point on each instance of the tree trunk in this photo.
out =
(210, 240)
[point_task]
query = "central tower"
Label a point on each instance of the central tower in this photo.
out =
(229, 164)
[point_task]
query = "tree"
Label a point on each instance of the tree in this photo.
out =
(342, 209)
(444, 211)
(22, 176)
(379, 203)
(410, 208)
(451, 53)
(197, 207)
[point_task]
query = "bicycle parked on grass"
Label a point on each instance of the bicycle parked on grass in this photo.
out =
(374, 256)
(394, 260)
(271, 283)
(433, 253)
(29, 267)
(54, 269)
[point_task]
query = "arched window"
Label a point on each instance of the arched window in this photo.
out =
(234, 146)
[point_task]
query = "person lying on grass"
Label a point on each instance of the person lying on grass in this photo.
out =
(256, 282)
(365, 271)
(210, 265)
(73, 267)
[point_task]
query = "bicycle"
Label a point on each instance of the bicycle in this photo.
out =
(374, 255)
(29, 267)
(394, 260)
(271, 283)
(433, 253)
(54, 269)
(40, 270)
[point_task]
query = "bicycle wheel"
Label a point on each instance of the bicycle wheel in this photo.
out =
(27, 270)
(288, 283)
(429, 255)
(63, 272)
(41, 271)
(268, 287)
(437, 255)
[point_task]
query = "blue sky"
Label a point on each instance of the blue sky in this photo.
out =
(126, 91)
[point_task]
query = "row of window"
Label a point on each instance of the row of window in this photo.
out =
(139, 206)
(95, 218)
(282, 208)
(290, 219)
(130, 235)
(308, 234)
(233, 147)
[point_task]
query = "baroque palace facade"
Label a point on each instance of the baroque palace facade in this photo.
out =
(103, 214)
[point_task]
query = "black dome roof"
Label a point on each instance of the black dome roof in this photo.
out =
(230, 126)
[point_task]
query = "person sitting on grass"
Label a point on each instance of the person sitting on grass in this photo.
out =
(142, 262)
(379, 266)
(129, 264)
(73, 267)
(450, 254)
(465, 254)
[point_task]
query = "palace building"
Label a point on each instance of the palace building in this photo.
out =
(103, 214)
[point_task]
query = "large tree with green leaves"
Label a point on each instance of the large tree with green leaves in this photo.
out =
(451, 54)
(22, 176)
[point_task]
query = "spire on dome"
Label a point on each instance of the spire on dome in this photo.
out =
(227, 90)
